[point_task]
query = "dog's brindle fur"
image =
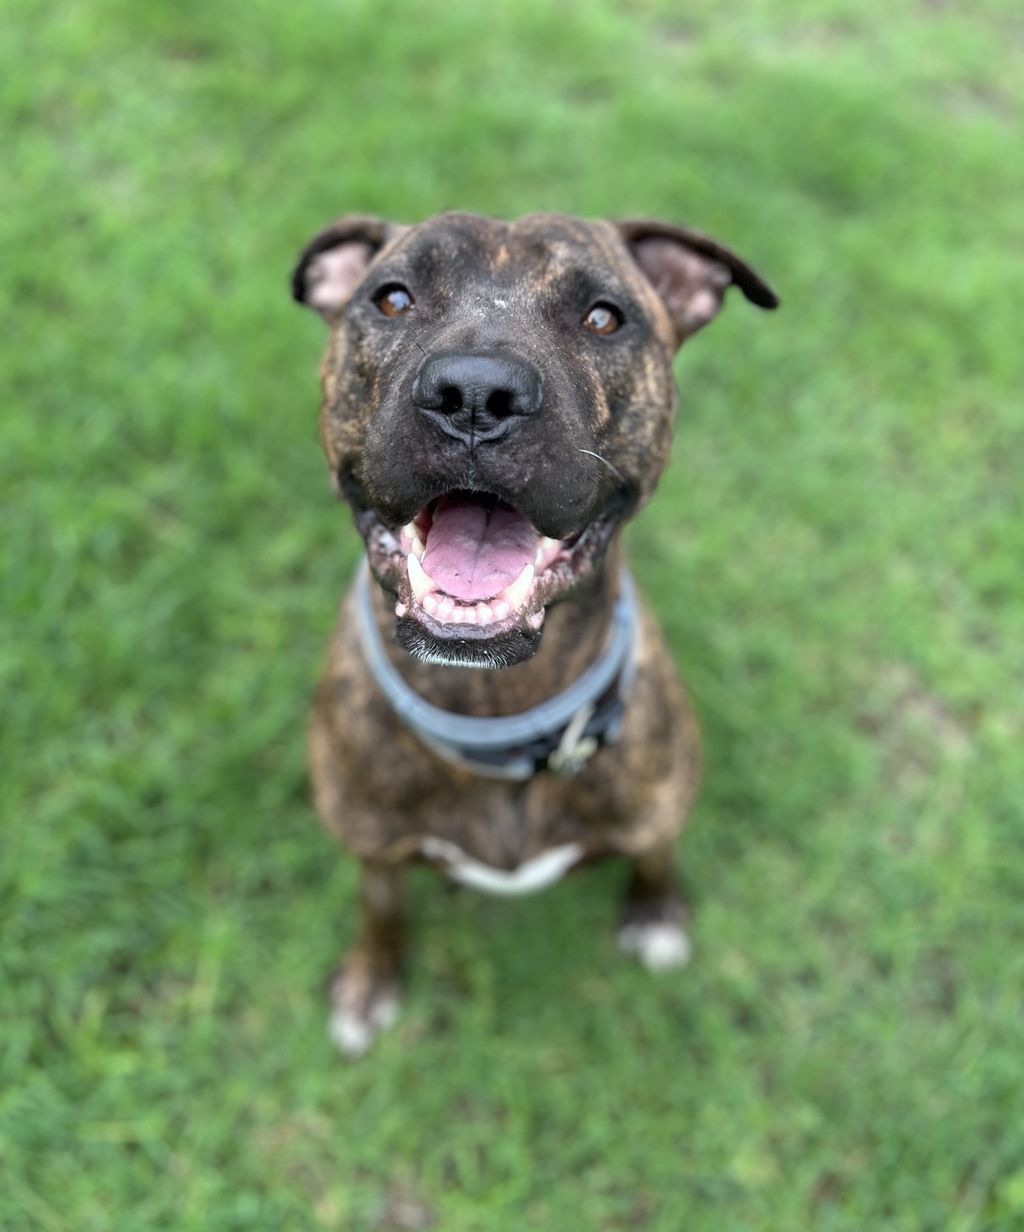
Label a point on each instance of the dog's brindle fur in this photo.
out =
(597, 448)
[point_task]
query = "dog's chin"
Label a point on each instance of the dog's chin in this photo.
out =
(467, 649)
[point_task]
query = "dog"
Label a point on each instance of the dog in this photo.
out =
(498, 400)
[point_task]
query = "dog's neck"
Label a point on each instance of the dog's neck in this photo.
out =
(575, 632)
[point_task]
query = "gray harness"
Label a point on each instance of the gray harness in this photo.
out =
(561, 734)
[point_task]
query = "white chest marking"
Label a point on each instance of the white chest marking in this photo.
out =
(536, 874)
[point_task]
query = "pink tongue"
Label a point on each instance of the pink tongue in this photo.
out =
(474, 552)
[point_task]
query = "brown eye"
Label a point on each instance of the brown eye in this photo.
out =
(602, 319)
(394, 301)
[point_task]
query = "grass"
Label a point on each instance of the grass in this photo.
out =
(835, 554)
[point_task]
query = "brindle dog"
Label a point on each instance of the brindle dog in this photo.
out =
(498, 401)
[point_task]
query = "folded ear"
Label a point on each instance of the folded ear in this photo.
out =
(334, 262)
(691, 272)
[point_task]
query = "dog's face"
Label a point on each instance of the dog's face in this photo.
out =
(498, 399)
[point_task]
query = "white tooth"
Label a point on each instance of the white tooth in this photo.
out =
(515, 595)
(401, 609)
(484, 615)
(421, 584)
(547, 550)
(500, 610)
(538, 560)
(445, 608)
(413, 539)
(431, 603)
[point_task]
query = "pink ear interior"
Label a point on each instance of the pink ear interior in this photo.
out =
(331, 276)
(691, 286)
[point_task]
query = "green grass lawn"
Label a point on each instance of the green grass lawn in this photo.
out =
(836, 554)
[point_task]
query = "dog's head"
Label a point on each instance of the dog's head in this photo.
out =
(498, 399)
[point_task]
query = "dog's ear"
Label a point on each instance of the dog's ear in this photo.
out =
(691, 272)
(334, 262)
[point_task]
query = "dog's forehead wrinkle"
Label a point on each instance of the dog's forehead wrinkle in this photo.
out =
(463, 240)
(529, 250)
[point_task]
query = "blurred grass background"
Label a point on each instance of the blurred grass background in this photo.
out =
(835, 552)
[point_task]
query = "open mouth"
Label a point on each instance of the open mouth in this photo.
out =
(473, 577)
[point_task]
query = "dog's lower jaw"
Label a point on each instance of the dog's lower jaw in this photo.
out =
(499, 651)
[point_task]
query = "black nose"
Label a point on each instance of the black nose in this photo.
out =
(477, 397)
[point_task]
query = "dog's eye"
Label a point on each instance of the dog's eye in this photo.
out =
(394, 300)
(603, 319)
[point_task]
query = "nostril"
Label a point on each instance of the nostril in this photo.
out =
(499, 403)
(451, 399)
(484, 392)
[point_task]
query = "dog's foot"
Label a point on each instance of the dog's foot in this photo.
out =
(660, 945)
(361, 1008)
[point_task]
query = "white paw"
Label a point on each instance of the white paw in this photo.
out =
(659, 945)
(352, 1033)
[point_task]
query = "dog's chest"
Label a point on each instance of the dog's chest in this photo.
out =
(536, 873)
(510, 839)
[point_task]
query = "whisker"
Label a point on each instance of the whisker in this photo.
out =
(613, 469)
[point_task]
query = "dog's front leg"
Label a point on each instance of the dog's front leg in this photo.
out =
(366, 991)
(655, 916)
